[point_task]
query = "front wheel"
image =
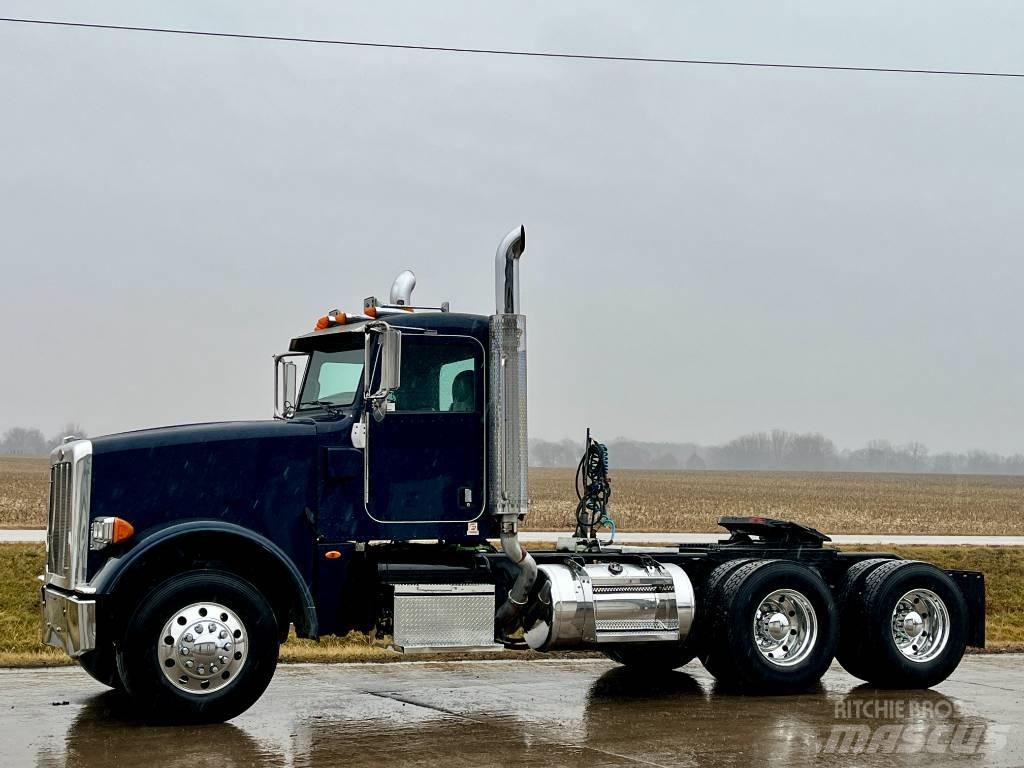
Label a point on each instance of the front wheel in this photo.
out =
(201, 647)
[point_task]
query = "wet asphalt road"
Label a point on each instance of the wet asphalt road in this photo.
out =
(571, 713)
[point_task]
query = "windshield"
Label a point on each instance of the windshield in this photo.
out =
(332, 378)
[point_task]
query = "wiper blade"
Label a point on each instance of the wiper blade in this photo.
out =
(329, 406)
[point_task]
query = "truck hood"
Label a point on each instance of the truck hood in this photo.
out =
(197, 434)
(260, 475)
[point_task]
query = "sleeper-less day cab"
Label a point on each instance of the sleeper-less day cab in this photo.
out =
(386, 495)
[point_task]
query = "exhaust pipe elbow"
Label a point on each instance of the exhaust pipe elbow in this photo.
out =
(518, 595)
(506, 272)
(401, 289)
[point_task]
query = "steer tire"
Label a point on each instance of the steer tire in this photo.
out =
(652, 657)
(101, 664)
(849, 597)
(924, 660)
(737, 661)
(250, 629)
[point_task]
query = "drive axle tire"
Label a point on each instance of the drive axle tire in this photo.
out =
(652, 657)
(849, 600)
(708, 598)
(201, 647)
(908, 628)
(775, 628)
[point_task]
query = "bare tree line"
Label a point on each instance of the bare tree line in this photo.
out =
(22, 441)
(782, 450)
(766, 451)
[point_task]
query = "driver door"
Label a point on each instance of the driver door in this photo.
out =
(425, 461)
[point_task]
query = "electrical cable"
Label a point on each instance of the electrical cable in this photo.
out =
(594, 491)
(512, 52)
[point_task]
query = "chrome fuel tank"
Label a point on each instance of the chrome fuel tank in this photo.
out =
(616, 602)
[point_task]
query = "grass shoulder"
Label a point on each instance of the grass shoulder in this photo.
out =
(19, 610)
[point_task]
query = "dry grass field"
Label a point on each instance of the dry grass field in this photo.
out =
(24, 485)
(693, 501)
(832, 502)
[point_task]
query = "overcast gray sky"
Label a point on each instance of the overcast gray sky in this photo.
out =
(710, 250)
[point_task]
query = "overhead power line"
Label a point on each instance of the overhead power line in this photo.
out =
(509, 52)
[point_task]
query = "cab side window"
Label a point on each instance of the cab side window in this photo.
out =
(439, 375)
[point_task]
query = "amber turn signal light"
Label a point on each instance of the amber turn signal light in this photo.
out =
(109, 530)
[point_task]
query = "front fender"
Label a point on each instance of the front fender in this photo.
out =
(116, 569)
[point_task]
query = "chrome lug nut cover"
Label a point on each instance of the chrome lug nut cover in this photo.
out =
(920, 625)
(205, 655)
(785, 627)
(778, 626)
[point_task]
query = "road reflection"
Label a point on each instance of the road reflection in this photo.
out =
(621, 718)
(106, 733)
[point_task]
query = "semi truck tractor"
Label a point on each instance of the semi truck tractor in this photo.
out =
(386, 496)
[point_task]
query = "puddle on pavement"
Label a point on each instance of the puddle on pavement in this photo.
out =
(543, 715)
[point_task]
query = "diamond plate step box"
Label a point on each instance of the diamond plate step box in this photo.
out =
(431, 618)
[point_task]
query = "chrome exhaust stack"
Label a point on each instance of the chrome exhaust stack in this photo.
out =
(506, 422)
(506, 272)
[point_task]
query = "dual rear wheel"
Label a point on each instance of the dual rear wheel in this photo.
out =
(904, 624)
(774, 626)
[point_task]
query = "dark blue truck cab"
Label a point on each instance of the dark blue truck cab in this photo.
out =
(385, 496)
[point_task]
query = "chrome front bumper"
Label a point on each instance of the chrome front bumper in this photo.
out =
(69, 621)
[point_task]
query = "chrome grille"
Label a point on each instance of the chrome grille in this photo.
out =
(58, 555)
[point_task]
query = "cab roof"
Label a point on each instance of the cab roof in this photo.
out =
(437, 322)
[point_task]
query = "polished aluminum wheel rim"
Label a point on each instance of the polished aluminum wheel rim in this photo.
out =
(202, 648)
(920, 625)
(785, 627)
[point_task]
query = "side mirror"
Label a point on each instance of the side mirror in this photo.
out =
(285, 386)
(391, 359)
(390, 368)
